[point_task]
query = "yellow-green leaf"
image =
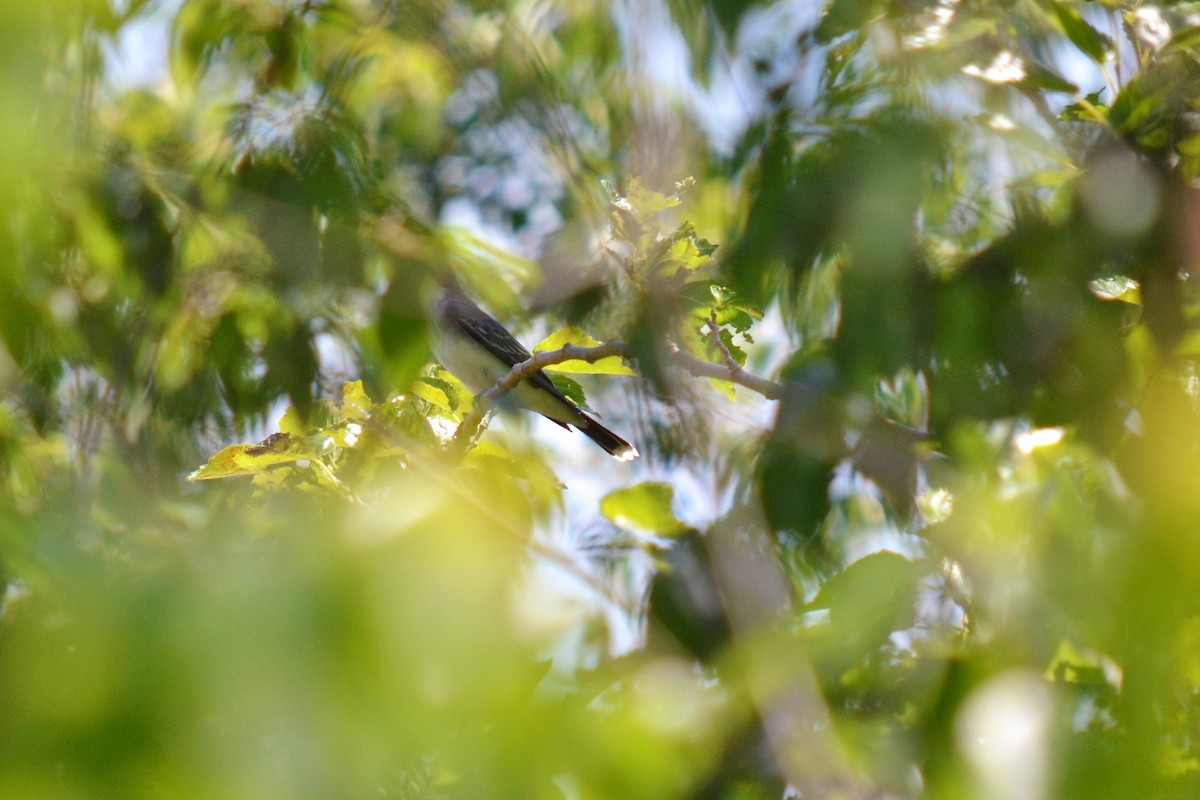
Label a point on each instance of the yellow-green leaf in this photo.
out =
(727, 388)
(647, 201)
(249, 459)
(613, 365)
(644, 507)
(291, 423)
(356, 404)
(431, 394)
(685, 252)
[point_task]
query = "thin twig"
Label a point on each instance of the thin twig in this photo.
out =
(706, 369)
(714, 331)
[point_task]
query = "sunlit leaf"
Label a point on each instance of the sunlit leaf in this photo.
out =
(646, 201)
(248, 459)
(727, 388)
(644, 508)
(435, 395)
(612, 365)
(356, 404)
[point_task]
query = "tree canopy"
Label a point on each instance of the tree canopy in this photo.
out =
(897, 300)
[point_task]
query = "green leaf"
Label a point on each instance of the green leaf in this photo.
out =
(491, 456)
(647, 201)
(1022, 135)
(738, 317)
(458, 395)
(687, 250)
(285, 55)
(739, 355)
(292, 424)
(845, 16)
(613, 365)
(249, 459)
(867, 602)
(644, 507)
(1188, 145)
(356, 404)
(436, 396)
(1045, 79)
(572, 390)
(1069, 22)
(1146, 108)
(196, 28)
(1185, 40)
(727, 388)
(1087, 109)
(565, 336)
(858, 590)
(491, 271)
(711, 297)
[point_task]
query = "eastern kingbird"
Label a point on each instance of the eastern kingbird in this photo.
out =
(479, 351)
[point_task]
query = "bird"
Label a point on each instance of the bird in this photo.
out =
(479, 351)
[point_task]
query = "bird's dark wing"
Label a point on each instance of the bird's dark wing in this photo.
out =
(480, 326)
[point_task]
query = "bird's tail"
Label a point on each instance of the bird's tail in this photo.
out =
(614, 445)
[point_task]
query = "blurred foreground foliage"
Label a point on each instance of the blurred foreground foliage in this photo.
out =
(956, 277)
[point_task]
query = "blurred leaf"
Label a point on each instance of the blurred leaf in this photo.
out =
(868, 601)
(729, 13)
(794, 487)
(644, 507)
(356, 404)
(1042, 78)
(435, 395)
(845, 16)
(1143, 110)
(1068, 20)
(647, 202)
(250, 459)
(727, 388)
(1088, 109)
(284, 46)
(878, 582)
(1117, 287)
(1185, 39)
(685, 600)
(196, 31)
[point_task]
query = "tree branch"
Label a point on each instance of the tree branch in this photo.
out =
(707, 369)
(736, 374)
(698, 367)
(548, 358)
